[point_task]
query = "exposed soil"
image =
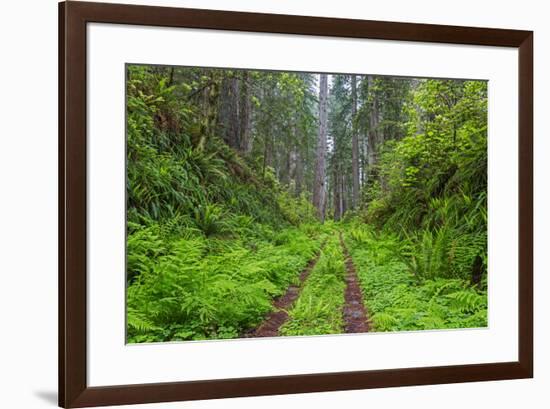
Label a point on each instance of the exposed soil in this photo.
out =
(275, 319)
(355, 315)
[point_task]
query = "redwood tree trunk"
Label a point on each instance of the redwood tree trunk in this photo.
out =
(355, 144)
(319, 191)
(229, 112)
(336, 194)
(245, 144)
(298, 172)
(373, 131)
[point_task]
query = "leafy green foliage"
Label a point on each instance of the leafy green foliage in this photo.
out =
(432, 185)
(398, 301)
(210, 288)
(297, 210)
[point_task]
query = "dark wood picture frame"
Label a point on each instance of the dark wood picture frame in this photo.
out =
(73, 388)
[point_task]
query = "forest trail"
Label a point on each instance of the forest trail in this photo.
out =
(277, 318)
(355, 315)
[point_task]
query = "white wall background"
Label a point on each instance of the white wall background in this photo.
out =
(28, 202)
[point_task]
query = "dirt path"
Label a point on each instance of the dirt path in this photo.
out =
(275, 319)
(355, 315)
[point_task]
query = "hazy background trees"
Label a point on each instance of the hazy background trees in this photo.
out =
(323, 136)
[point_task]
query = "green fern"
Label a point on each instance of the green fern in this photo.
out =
(466, 300)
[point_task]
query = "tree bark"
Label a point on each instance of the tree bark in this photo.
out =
(229, 111)
(363, 156)
(235, 124)
(209, 101)
(342, 201)
(171, 77)
(298, 171)
(373, 130)
(336, 194)
(245, 144)
(319, 191)
(355, 144)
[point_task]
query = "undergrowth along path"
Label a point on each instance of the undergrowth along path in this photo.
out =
(355, 315)
(275, 320)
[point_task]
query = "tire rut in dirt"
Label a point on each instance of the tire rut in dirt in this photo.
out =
(355, 314)
(275, 320)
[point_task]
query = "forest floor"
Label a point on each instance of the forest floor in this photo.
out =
(281, 305)
(358, 282)
(335, 279)
(353, 316)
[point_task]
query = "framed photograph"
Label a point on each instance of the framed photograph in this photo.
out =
(254, 204)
